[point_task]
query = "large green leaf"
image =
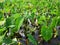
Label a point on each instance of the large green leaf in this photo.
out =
(46, 32)
(41, 19)
(2, 37)
(7, 40)
(31, 39)
(19, 22)
(54, 22)
(15, 16)
(8, 21)
(2, 29)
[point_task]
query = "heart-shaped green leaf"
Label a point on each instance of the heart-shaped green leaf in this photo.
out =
(46, 32)
(31, 39)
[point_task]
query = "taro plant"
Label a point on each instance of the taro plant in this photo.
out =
(28, 22)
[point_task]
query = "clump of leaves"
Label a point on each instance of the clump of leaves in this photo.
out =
(28, 15)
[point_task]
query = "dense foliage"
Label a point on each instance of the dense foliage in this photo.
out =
(28, 20)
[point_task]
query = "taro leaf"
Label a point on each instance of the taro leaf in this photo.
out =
(2, 37)
(41, 19)
(14, 16)
(8, 22)
(31, 39)
(46, 32)
(1, 30)
(54, 22)
(19, 22)
(7, 40)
